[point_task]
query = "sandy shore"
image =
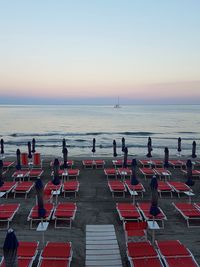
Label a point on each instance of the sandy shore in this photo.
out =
(96, 206)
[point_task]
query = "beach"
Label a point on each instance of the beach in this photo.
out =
(95, 205)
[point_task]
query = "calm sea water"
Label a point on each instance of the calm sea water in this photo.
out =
(80, 124)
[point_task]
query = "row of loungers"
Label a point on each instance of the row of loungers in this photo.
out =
(63, 214)
(54, 254)
(169, 253)
(121, 187)
(24, 187)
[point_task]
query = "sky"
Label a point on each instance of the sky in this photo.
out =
(94, 51)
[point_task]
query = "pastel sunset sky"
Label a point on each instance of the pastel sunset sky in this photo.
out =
(92, 51)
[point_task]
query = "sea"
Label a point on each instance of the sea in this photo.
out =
(79, 124)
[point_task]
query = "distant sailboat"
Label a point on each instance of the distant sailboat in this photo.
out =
(117, 105)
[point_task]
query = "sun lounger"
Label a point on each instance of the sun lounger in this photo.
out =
(52, 187)
(139, 188)
(164, 187)
(23, 188)
(7, 213)
(35, 173)
(195, 173)
(179, 187)
(148, 173)
(145, 163)
(118, 163)
(163, 173)
(175, 254)
(117, 187)
(56, 254)
(190, 212)
(64, 212)
(96, 163)
(34, 217)
(20, 175)
(88, 163)
(176, 163)
(8, 164)
(125, 173)
(143, 254)
(111, 173)
(99, 163)
(26, 254)
(135, 231)
(70, 173)
(70, 187)
(70, 164)
(144, 208)
(128, 212)
(7, 187)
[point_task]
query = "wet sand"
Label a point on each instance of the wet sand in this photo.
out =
(96, 206)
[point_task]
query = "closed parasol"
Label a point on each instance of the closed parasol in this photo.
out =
(114, 149)
(166, 159)
(123, 144)
(93, 145)
(149, 147)
(18, 153)
(189, 181)
(125, 157)
(194, 150)
(33, 145)
(10, 249)
(2, 147)
(29, 150)
(40, 195)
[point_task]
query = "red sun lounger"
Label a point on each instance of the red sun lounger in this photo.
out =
(195, 173)
(70, 164)
(148, 173)
(20, 175)
(117, 187)
(70, 187)
(88, 163)
(110, 173)
(35, 173)
(56, 254)
(118, 163)
(144, 208)
(176, 163)
(175, 254)
(26, 254)
(33, 215)
(64, 212)
(142, 254)
(189, 212)
(164, 187)
(7, 187)
(128, 212)
(179, 187)
(52, 187)
(24, 160)
(7, 213)
(8, 164)
(23, 188)
(139, 188)
(135, 231)
(70, 173)
(37, 161)
(125, 172)
(163, 173)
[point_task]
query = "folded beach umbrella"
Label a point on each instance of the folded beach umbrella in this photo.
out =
(10, 249)
(189, 181)
(93, 145)
(63, 144)
(154, 210)
(56, 179)
(194, 150)
(125, 157)
(33, 145)
(114, 149)
(1, 173)
(65, 154)
(134, 180)
(166, 159)
(123, 144)
(179, 145)
(40, 194)
(29, 150)
(149, 147)
(18, 153)
(2, 147)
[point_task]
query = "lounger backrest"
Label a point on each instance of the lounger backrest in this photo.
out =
(24, 158)
(36, 159)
